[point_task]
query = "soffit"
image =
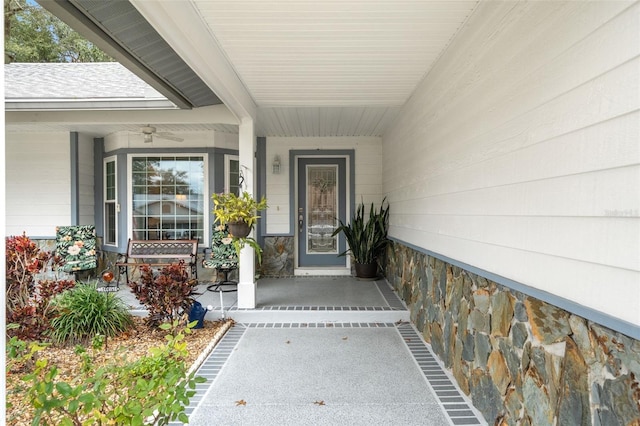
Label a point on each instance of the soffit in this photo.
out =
(118, 28)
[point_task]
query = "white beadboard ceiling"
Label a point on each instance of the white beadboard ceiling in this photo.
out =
(331, 67)
(333, 52)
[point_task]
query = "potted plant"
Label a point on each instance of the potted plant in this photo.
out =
(239, 213)
(366, 238)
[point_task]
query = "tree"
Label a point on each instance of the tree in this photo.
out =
(32, 34)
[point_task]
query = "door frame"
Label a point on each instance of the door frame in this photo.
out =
(294, 155)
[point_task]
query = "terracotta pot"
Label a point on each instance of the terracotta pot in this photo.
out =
(366, 270)
(239, 229)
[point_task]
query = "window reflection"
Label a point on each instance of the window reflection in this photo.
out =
(168, 197)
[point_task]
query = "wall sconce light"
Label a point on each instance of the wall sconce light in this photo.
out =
(275, 167)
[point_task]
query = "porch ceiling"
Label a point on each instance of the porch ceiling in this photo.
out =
(332, 52)
(299, 67)
(325, 68)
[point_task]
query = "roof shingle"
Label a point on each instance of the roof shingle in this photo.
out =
(56, 81)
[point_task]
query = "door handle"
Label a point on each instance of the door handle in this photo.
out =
(300, 220)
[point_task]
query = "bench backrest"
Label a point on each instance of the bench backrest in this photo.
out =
(162, 249)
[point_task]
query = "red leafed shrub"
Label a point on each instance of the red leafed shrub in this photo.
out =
(167, 295)
(27, 299)
(24, 260)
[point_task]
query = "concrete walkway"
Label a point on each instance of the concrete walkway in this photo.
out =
(323, 351)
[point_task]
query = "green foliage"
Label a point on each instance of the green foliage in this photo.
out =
(366, 238)
(20, 354)
(20, 357)
(239, 243)
(167, 295)
(152, 390)
(83, 313)
(231, 208)
(32, 34)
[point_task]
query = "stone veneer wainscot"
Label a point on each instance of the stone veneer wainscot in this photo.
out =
(522, 361)
(277, 257)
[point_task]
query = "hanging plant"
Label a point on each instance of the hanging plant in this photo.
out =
(232, 210)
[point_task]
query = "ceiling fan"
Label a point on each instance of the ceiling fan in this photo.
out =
(149, 132)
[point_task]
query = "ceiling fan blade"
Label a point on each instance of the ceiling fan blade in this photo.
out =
(168, 137)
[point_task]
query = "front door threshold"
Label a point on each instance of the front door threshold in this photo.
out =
(319, 272)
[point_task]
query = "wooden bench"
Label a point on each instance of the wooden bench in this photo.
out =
(139, 252)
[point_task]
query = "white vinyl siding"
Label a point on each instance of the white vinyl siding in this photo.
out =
(368, 176)
(37, 174)
(519, 153)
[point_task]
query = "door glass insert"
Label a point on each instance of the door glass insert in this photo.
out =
(322, 209)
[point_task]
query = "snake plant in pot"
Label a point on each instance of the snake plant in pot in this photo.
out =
(366, 237)
(240, 214)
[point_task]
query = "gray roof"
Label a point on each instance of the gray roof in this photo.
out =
(74, 81)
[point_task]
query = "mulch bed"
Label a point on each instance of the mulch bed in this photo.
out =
(137, 343)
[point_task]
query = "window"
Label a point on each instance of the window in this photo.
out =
(168, 197)
(232, 176)
(110, 202)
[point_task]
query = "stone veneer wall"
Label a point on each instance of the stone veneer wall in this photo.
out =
(277, 257)
(522, 361)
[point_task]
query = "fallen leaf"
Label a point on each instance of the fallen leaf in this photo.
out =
(345, 338)
(407, 339)
(241, 402)
(321, 402)
(288, 341)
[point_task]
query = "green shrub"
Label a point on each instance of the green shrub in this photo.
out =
(83, 312)
(152, 390)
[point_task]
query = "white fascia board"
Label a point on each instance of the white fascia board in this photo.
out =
(86, 104)
(182, 27)
(215, 114)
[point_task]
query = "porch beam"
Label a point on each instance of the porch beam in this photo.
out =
(182, 27)
(217, 114)
(247, 146)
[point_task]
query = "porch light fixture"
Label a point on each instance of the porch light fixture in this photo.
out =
(275, 167)
(148, 137)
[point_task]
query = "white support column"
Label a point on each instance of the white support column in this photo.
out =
(246, 283)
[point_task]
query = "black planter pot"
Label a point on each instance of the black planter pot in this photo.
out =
(239, 229)
(366, 270)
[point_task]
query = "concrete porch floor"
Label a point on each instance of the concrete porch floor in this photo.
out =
(322, 351)
(303, 299)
